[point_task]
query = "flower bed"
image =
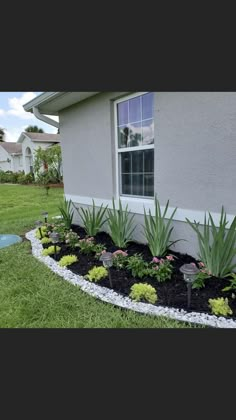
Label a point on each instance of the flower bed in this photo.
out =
(172, 293)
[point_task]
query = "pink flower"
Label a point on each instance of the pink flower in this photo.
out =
(170, 257)
(193, 264)
(201, 264)
(120, 252)
(155, 260)
(162, 261)
(156, 267)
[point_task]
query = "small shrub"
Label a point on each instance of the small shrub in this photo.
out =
(217, 246)
(88, 245)
(220, 306)
(157, 230)
(25, 178)
(67, 260)
(93, 220)
(58, 227)
(120, 259)
(232, 281)
(120, 225)
(201, 277)
(137, 265)
(97, 273)
(50, 250)
(162, 271)
(143, 292)
(72, 239)
(46, 240)
(66, 212)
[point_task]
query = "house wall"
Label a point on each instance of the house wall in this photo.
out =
(195, 150)
(33, 147)
(17, 163)
(4, 165)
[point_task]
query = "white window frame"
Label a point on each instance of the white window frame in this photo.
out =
(127, 197)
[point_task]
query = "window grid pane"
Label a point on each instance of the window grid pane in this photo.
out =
(135, 121)
(135, 128)
(134, 180)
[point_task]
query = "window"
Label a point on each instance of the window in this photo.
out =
(135, 144)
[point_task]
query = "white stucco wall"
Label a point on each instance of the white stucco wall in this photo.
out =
(33, 146)
(17, 163)
(195, 153)
(4, 155)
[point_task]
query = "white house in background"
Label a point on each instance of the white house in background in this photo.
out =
(11, 157)
(30, 142)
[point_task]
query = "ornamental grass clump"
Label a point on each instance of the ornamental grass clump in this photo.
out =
(143, 292)
(97, 273)
(67, 213)
(93, 220)
(217, 246)
(120, 225)
(157, 231)
(67, 260)
(50, 250)
(220, 306)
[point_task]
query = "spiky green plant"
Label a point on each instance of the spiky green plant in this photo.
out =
(66, 211)
(157, 231)
(93, 220)
(217, 246)
(120, 225)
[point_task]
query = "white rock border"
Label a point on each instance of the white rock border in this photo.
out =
(110, 296)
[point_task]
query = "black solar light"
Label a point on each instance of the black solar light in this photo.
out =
(54, 236)
(45, 215)
(107, 260)
(189, 271)
(38, 224)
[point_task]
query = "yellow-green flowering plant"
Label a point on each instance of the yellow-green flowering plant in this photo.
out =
(67, 260)
(143, 292)
(50, 250)
(220, 306)
(97, 273)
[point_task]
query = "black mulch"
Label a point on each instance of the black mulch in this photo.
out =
(171, 293)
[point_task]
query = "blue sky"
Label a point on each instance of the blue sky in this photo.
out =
(14, 119)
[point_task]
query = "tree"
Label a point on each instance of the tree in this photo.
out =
(34, 129)
(2, 134)
(48, 163)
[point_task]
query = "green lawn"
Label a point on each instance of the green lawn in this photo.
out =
(31, 296)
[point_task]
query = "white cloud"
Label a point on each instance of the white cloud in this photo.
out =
(16, 106)
(13, 134)
(2, 112)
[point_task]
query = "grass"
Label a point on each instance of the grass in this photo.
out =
(31, 296)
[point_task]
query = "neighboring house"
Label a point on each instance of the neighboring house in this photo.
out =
(32, 141)
(178, 145)
(11, 157)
